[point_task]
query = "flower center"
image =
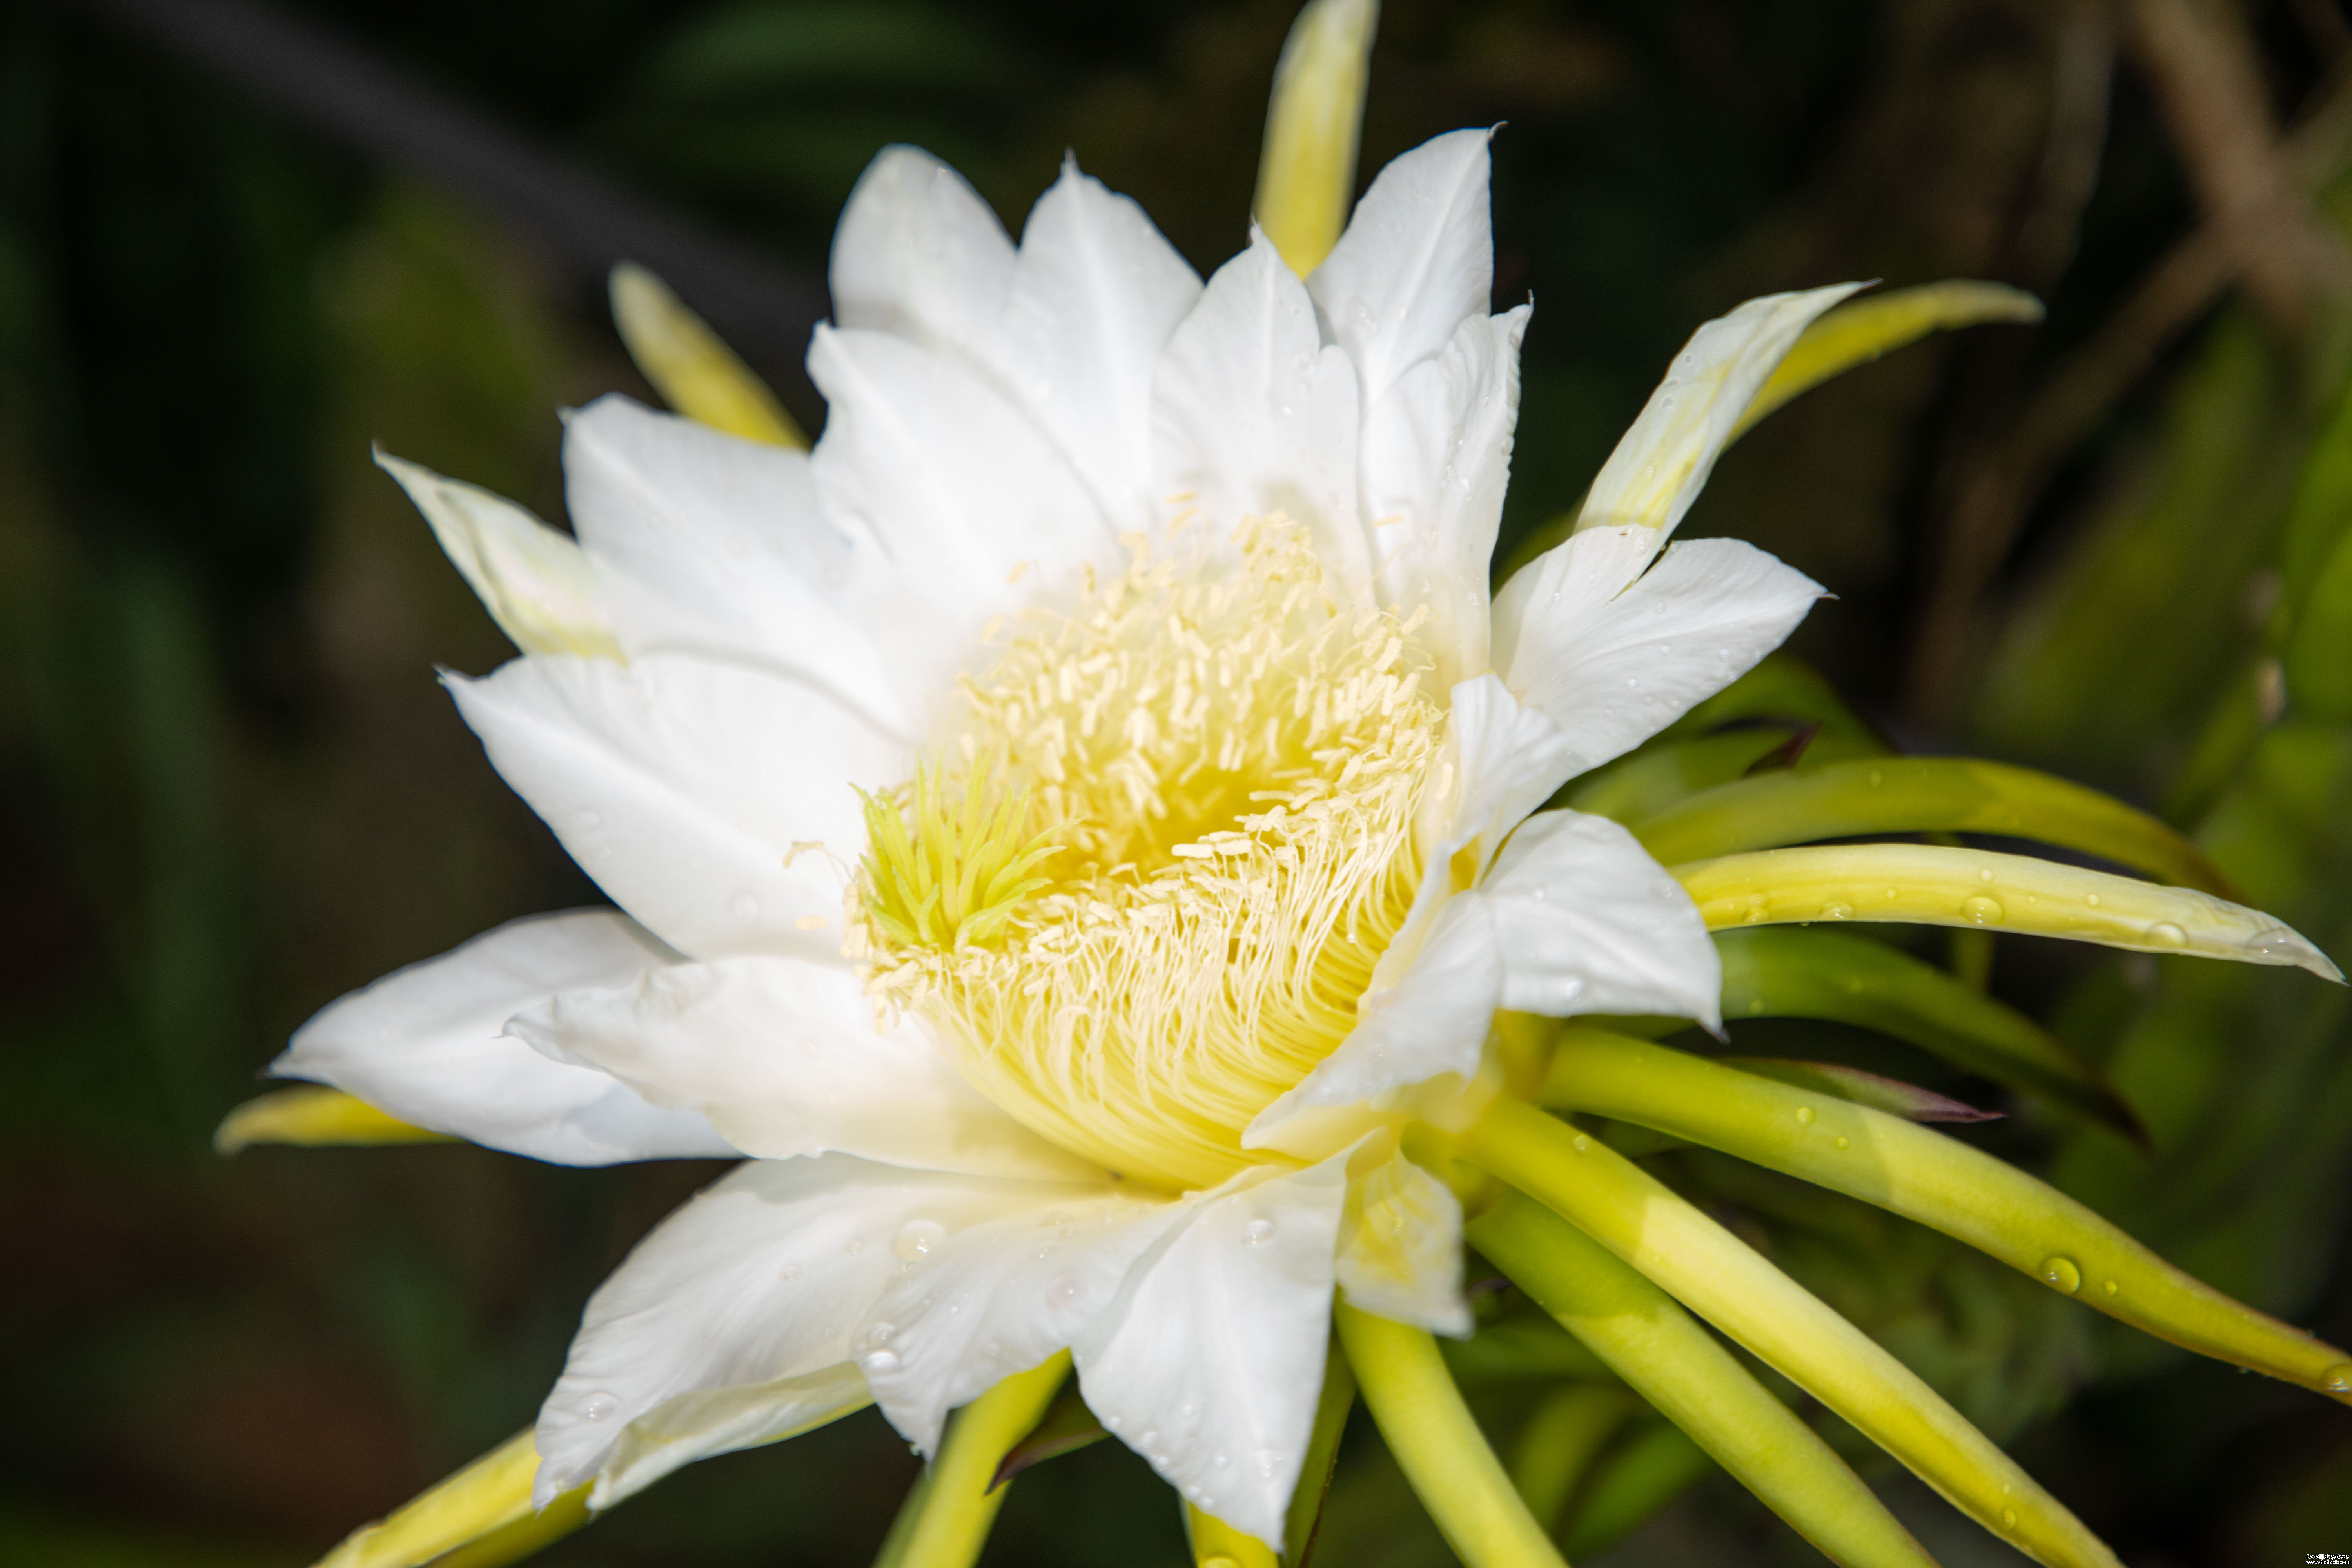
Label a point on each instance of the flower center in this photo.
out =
(1140, 888)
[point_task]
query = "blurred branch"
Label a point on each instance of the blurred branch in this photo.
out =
(1999, 482)
(765, 312)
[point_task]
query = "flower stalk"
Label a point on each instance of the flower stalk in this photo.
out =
(945, 1520)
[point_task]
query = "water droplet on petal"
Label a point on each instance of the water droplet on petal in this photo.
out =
(2337, 1379)
(1837, 910)
(878, 1363)
(879, 1334)
(1219, 1462)
(1984, 875)
(1257, 1233)
(2093, 900)
(1841, 1143)
(2110, 1286)
(2165, 934)
(744, 907)
(1581, 1143)
(917, 1237)
(789, 1272)
(1064, 1290)
(1804, 1116)
(599, 1407)
(2059, 1270)
(2009, 1518)
(1983, 911)
(857, 1244)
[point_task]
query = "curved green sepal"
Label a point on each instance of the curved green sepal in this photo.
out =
(1556, 1447)
(1923, 1176)
(1724, 1282)
(1683, 1370)
(695, 372)
(484, 1509)
(1861, 330)
(945, 1520)
(1653, 780)
(1928, 884)
(1771, 972)
(315, 1116)
(1331, 1408)
(1891, 1095)
(1065, 1428)
(1924, 795)
(1438, 1445)
(1306, 171)
(1657, 1465)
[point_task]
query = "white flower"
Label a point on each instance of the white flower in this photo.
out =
(1062, 827)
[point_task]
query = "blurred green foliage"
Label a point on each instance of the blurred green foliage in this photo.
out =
(229, 789)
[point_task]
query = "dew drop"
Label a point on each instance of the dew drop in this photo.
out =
(2337, 1379)
(789, 1272)
(1269, 1460)
(1581, 1143)
(1804, 1116)
(1064, 1290)
(599, 1407)
(1219, 1462)
(992, 1349)
(1841, 1143)
(2059, 1270)
(1875, 780)
(879, 1334)
(744, 907)
(2009, 1518)
(1836, 910)
(917, 1237)
(2164, 933)
(857, 1244)
(1257, 1233)
(1983, 911)
(2093, 900)
(1984, 875)
(878, 1363)
(1537, 895)
(2110, 1286)
(1149, 1438)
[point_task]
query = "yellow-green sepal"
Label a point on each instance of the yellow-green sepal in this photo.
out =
(315, 1116)
(1928, 884)
(1864, 329)
(480, 1516)
(1684, 1371)
(1307, 173)
(696, 373)
(1938, 1181)
(1774, 971)
(1724, 1282)
(1923, 794)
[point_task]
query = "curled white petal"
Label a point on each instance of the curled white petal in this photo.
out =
(1401, 1245)
(711, 1420)
(1587, 922)
(425, 1043)
(1210, 1361)
(536, 584)
(713, 802)
(784, 1057)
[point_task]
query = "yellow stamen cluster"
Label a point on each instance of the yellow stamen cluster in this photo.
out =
(1141, 887)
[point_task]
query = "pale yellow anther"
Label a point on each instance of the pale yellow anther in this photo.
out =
(1142, 886)
(1306, 174)
(696, 374)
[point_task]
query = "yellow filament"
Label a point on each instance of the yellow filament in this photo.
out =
(1143, 884)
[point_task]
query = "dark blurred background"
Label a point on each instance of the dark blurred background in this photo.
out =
(238, 245)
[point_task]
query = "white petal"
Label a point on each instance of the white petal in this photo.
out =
(763, 1277)
(721, 1420)
(920, 254)
(1417, 260)
(1509, 758)
(1001, 1296)
(964, 498)
(784, 1057)
(1209, 1361)
(1437, 457)
(1095, 294)
(1401, 1246)
(425, 1045)
(1663, 461)
(1587, 922)
(536, 584)
(715, 544)
(691, 790)
(1253, 415)
(1433, 1021)
(1612, 669)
